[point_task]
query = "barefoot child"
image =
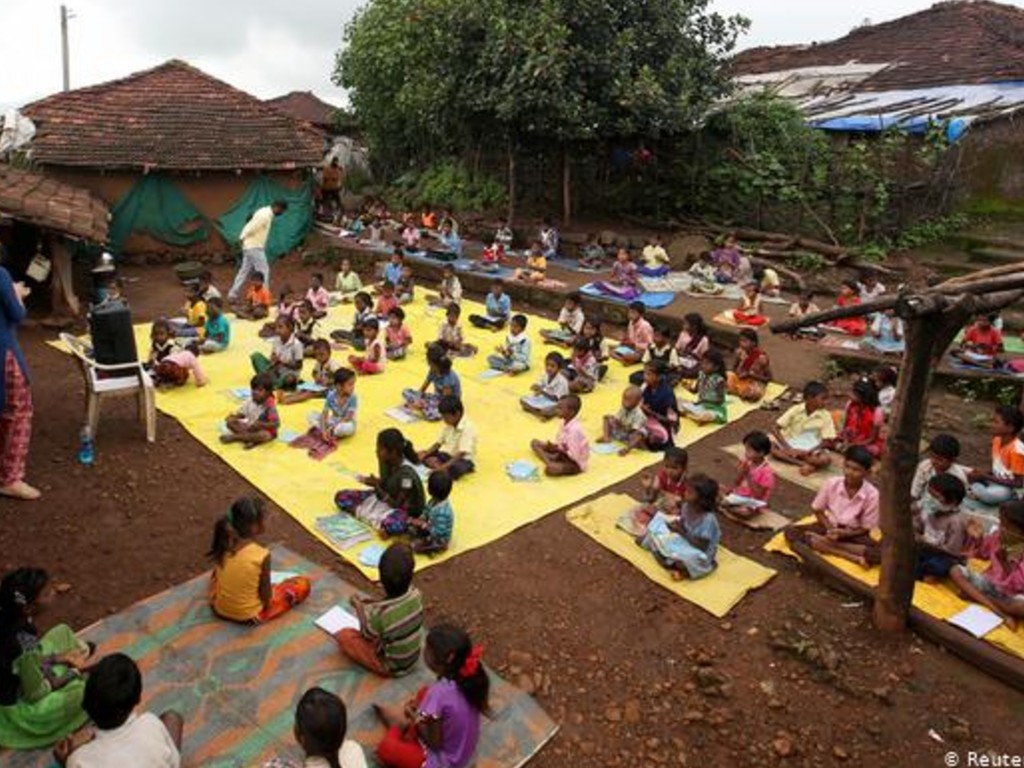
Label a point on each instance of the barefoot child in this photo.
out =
(710, 407)
(397, 489)
(569, 454)
(363, 314)
(848, 297)
(662, 492)
(441, 378)
(1000, 588)
(305, 326)
(661, 352)
(386, 301)
(321, 724)
(802, 433)
(346, 284)
(405, 288)
(341, 407)
(240, 588)
(432, 533)
(324, 368)
(441, 725)
(257, 421)
(318, 296)
(170, 364)
(753, 371)
(551, 387)
(570, 323)
(397, 336)
(1006, 477)
(286, 356)
(687, 544)
(755, 480)
(256, 305)
(863, 421)
(584, 370)
(498, 306)
(217, 334)
(943, 452)
(513, 357)
(449, 335)
(660, 407)
(691, 345)
(940, 527)
(536, 265)
(749, 311)
(391, 628)
(455, 450)
(638, 337)
(846, 509)
(375, 358)
(629, 425)
(450, 290)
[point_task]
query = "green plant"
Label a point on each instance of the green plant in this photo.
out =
(831, 370)
(808, 262)
(447, 184)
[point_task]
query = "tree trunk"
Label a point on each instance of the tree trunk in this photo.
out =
(927, 336)
(511, 182)
(566, 189)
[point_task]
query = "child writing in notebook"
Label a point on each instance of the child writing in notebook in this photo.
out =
(755, 480)
(257, 421)
(240, 587)
(397, 489)
(570, 323)
(570, 452)
(324, 368)
(397, 336)
(390, 632)
(341, 407)
(499, 307)
(432, 533)
(441, 726)
(663, 491)
(513, 356)
(638, 337)
(455, 450)
(441, 378)
(687, 544)
(375, 356)
(551, 387)
(1000, 588)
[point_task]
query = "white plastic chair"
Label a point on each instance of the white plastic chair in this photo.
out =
(107, 381)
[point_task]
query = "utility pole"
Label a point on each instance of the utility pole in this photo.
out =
(66, 59)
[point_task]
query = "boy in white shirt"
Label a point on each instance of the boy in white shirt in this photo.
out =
(122, 739)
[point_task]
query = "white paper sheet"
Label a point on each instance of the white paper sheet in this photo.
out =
(976, 619)
(336, 620)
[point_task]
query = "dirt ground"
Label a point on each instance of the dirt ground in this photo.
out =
(636, 677)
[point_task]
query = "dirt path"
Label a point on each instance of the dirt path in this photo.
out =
(636, 677)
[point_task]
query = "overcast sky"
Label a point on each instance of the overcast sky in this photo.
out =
(269, 47)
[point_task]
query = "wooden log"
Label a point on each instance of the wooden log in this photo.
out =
(1002, 665)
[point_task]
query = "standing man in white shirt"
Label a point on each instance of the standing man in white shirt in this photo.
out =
(122, 738)
(254, 240)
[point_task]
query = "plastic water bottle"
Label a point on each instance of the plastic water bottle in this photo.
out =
(86, 450)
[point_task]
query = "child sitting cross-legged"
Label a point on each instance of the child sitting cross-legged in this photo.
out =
(305, 326)
(405, 288)
(321, 724)
(257, 301)
(803, 432)
(113, 691)
(570, 452)
(499, 307)
(449, 291)
(257, 421)
(749, 311)
(341, 407)
(846, 509)
(324, 368)
(863, 421)
(441, 378)
(240, 588)
(584, 369)
(513, 356)
(217, 333)
(390, 628)
(661, 352)
(570, 323)
(394, 496)
(432, 532)
(441, 724)
(455, 450)
(346, 284)
(663, 491)
(375, 358)
(191, 326)
(755, 480)
(364, 313)
(710, 407)
(397, 336)
(318, 296)
(940, 527)
(687, 543)
(1000, 588)
(638, 337)
(386, 301)
(551, 387)
(286, 356)
(1002, 483)
(449, 335)
(629, 425)
(943, 452)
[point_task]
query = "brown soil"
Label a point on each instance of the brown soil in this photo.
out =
(636, 677)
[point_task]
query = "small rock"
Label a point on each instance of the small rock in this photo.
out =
(632, 711)
(693, 716)
(840, 753)
(726, 626)
(613, 714)
(525, 683)
(783, 746)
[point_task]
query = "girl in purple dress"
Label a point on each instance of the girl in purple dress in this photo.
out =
(441, 726)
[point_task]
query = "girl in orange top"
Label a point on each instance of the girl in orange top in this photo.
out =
(240, 588)
(1004, 481)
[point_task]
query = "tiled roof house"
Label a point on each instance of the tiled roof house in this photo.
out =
(207, 139)
(304, 105)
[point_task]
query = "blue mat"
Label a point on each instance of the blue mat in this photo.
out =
(649, 300)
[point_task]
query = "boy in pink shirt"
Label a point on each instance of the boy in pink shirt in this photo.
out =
(1001, 587)
(639, 336)
(569, 453)
(847, 511)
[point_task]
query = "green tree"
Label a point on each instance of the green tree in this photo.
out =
(430, 76)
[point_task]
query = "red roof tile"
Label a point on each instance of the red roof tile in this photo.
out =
(956, 42)
(303, 105)
(40, 200)
(173, 117)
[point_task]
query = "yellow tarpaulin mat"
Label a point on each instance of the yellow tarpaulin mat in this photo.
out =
(791, 472)
(487, 504)
(717, 593)
(938, 600)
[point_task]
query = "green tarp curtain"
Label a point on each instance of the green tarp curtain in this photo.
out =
(154, 205)
(288, 230)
